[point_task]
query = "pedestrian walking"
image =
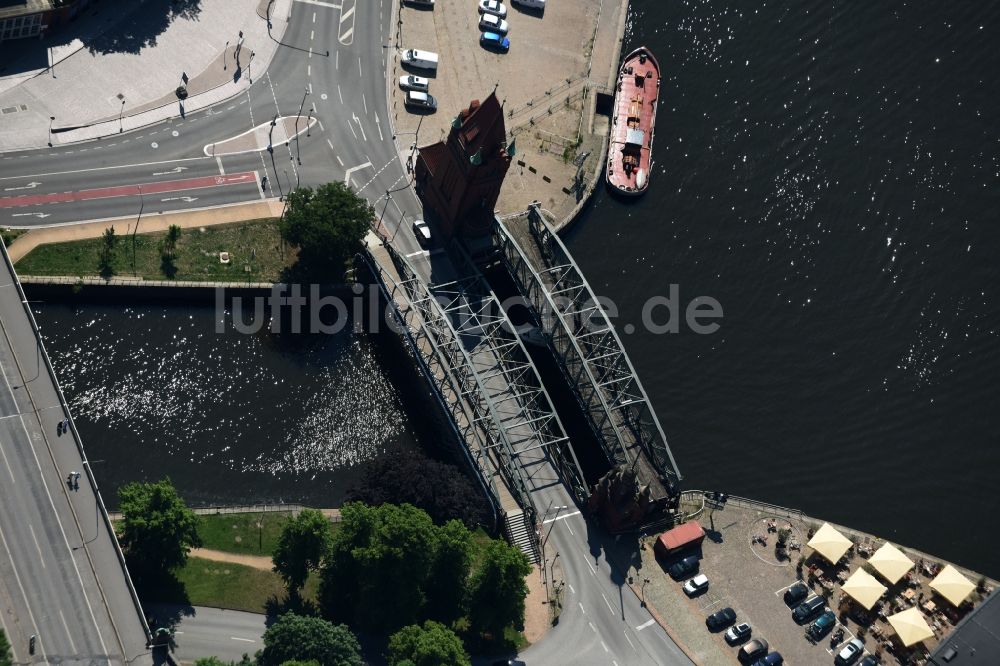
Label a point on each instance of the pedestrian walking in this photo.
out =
(66, 425)
(59, 429)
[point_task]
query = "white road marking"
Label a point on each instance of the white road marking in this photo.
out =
(7, 462)
(580, 604)
(72, 645)
(243, 640)
(358, 121)
(413, 254)
(320, 3)
(30, 186)
(339, 161)
(34, 538)
(365, 102)
(340, 94)
(592, 627)
(625, 631)
(351, 127)
(222, 170)
(309, 70)
(567, 515)
(646, 625)
(330, 143)
(347, 176)
(608, 603)
(314, 17)
(40, 646)
(572, 590)
(360, 73)
(604, 646)
(103, 168)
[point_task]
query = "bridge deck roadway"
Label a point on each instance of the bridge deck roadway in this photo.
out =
(60, 576)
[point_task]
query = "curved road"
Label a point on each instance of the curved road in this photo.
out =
(602, 621)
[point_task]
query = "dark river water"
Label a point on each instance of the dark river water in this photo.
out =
(827, 171)
(830, 173)
(231, 418)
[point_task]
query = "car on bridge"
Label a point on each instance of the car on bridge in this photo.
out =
(494, 42)
(494, 7)
(411, 82)
(422, 232)
(420, 100)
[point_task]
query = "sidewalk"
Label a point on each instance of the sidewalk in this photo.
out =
(89, 90)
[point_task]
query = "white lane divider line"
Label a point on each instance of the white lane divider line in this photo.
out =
(222, 170)
(592, 627)
(37, 547)
(646, 624)
(608, 603)
(242, 640)
(567, 515)
(625, 631)
(580, 604)
(604, 646)
(320, 3)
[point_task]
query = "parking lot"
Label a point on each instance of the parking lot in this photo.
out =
(746, 577)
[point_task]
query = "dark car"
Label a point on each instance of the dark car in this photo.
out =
(721, 619)
(796, 594)
(738, 633)
(683, 568)
(752, 651)
(773, 659)
(492, 40)
(808, 608)
(822, 626)
(869, 660)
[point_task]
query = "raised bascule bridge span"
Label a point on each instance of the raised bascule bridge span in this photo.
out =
(486, 382)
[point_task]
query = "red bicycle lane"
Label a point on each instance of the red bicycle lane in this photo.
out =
(137, 189)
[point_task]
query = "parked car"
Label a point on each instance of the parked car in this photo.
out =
(492, 40)
(720, 619)
(738, 633)
(808, 608)
(530, 4)
(822, 626)
(421, 59)
(683, 568)
(422, 3)
(420, 100)
(696, 585)
(773, 659)
(850, 653)
(411, 82)
(869, 660)
(796, 594)
(493, 23)
(752, 651)
(493, 7)
(422, 232)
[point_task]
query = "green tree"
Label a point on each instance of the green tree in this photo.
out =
(498, 589)
(215, 661)
(168, 251)
(449, 573)
(298, 637)
(108, 242)
(304, 542)
(440, 489)
(157, 529)
(296, 662)
(433, 644)
(327, 225)
(5, 657)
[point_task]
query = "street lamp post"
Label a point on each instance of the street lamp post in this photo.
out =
(556, 517)
(387, 197)
(309, 120)
(52, 119)
(136, 230)
(121, 112)
(249, 77)
(225, 55)
(643, 591)
(298, 148)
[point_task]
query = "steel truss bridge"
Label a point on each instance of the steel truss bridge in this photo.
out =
(482, 376)
(589, 352)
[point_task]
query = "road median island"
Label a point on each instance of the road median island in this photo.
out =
(255, 253)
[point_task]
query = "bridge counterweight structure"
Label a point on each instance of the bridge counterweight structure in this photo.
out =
(589, 352)
(485, 380)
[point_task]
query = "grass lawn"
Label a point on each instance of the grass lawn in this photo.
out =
(244, 533)
(225, 585)
(255, 244)
(9, 235)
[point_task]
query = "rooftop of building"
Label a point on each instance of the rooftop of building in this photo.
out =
(15, 8)
(976, 639)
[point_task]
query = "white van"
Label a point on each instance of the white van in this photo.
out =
(530, 4)
(421, 59)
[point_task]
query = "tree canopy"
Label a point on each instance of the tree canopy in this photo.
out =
(440, 489)
(5, 658)
(327, 225)
(300, 638)
(157, 529)
(432, 644)
(304, 542)
(497, 589)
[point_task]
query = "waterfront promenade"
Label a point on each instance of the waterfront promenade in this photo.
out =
(62, 579)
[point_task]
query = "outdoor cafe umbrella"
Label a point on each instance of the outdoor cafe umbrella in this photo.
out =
(890, 562)
(910, 626)
(863, 588)
(952, 585)
(829, 543)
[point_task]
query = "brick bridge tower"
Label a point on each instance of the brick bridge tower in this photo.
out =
(459, 179)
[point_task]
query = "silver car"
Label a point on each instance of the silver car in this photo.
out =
(411, 82)
(493, 7)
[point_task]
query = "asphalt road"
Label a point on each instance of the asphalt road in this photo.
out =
(603, 621)
(206, 632)
(60, 579)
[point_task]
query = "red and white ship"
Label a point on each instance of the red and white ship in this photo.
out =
(630, 152)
